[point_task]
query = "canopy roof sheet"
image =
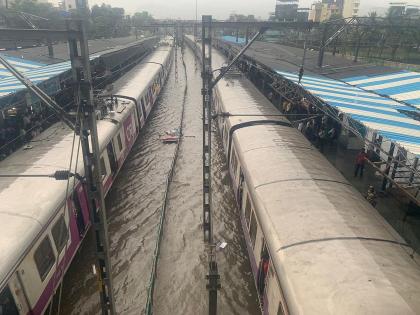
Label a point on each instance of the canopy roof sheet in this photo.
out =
(22, 65)
(401, 86)
(234, 39)
(374, 111)
(34, 71)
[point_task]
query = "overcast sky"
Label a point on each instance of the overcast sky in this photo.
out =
(185, 9)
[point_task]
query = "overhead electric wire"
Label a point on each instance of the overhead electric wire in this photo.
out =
(328, 111)
(66, 202)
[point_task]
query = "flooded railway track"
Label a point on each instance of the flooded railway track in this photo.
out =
(134, 205)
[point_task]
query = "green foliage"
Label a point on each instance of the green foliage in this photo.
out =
(107, 22)
(42, 9)
(141, 18)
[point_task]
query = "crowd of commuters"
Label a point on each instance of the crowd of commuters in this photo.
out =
(316, 126)
(19, 127)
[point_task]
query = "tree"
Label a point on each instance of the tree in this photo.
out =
(43, 9)
(107, 22)
(141, 18)
(33, 9)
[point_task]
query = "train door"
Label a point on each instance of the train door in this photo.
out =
(263, 269)
(18, 294)
(112, 159)
(7, 303)
(78, 213)
(240, 187)
(274, 297)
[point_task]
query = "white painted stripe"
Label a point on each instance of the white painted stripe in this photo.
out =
(388, 109)
(381, 78)
(394, 129)
(346, 95)
(413, 148)
(406, 95)
(315, 78)
(379, 101)
(392, 84)
(380, 116)
(342, 87)
(23, 64)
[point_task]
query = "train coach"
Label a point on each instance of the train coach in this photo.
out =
(316, 246)
(42, 223)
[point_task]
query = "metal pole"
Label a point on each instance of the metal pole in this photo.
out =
(237, 57)
(213, 278)
(91, 158)
(322, 47)
(302, 67)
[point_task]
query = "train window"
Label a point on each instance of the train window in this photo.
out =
(253, 229)
(60, 234)
(103, 167)
(7, 303)
(44, 258)
(247, 211)
(119, 142)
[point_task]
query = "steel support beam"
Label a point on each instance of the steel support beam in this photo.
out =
(87, 130)
(79, 56)
(213, 278)
(31, 34)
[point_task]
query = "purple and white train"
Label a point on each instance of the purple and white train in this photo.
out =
(41, 230)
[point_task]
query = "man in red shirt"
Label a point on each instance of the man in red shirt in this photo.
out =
(360, 163)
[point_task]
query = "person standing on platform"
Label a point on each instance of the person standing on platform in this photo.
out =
(360, 163)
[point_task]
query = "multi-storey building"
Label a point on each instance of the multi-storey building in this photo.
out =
(286, 10)
(350, 8)
(321, 11)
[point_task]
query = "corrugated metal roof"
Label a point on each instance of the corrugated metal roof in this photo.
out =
(34, 71)
(23, 65)
(232, 39)
(401, 86)
(374, 111)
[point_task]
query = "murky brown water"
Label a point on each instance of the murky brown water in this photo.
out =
(133, 205)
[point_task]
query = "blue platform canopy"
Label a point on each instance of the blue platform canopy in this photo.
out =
(401, 86)
(34, 71)
(374, 111)
(234, 39)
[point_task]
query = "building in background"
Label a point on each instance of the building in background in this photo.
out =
(350, 8)
(403, 9)
(286, 10)
(303, 14)
(325, 9)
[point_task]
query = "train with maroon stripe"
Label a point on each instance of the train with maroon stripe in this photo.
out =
(42, 223)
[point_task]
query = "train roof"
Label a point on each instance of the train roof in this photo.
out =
(384, 99)
(332, 251)
(28, 204)
(131, 84)
(61, 50)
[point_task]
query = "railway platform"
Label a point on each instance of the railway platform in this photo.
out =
(381, 99)
(392, 206)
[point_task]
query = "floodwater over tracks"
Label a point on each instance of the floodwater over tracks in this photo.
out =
(133, 206)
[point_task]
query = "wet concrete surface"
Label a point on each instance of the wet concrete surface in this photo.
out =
(133, 206)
